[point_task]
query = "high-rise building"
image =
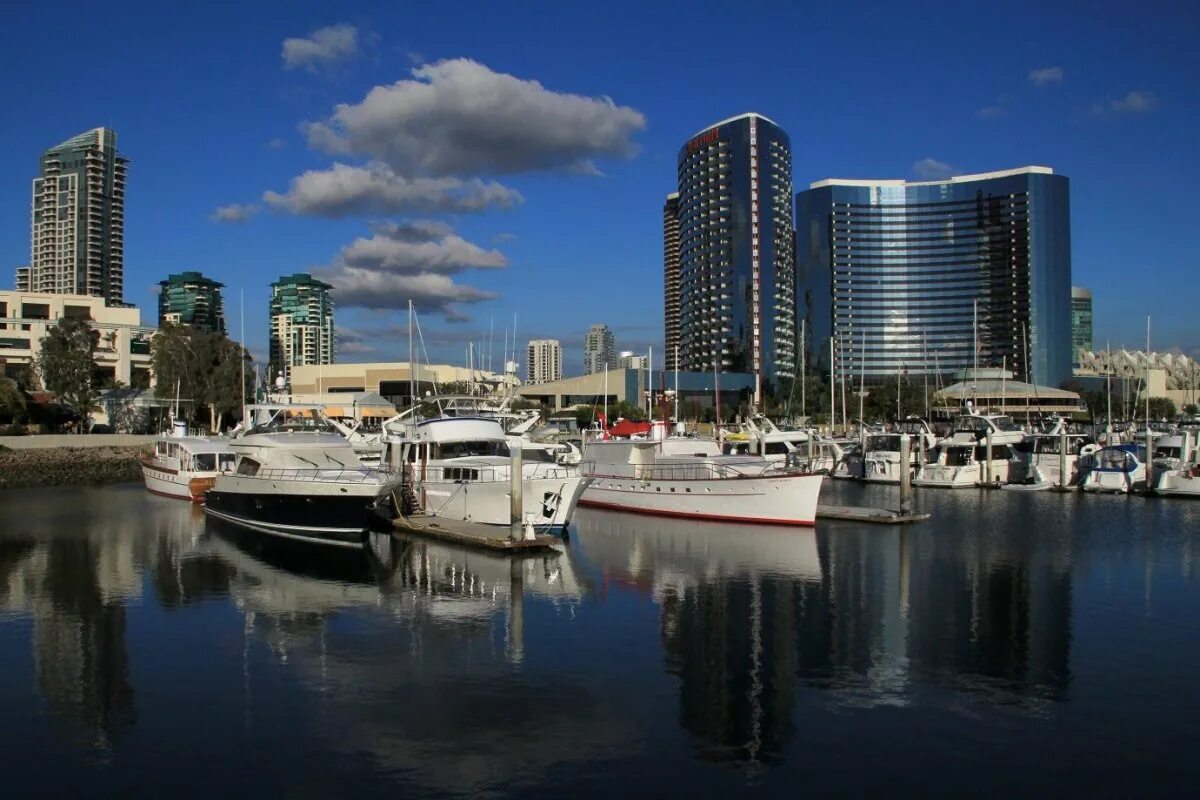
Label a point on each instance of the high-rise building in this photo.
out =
(301, 323)
(543, 362)
(938, 276)
(630, 360)
(23, 279)
(671, 277)
(599, 349)
(737, 276)
(78, 241)
(189, 298)
(1081, 322)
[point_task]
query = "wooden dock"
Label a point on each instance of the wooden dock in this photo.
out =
(875, 516)
(472, 534)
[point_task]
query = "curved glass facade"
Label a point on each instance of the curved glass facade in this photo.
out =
(901, 275)
(737, 302)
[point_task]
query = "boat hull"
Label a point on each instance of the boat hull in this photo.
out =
(968, 476)
(547, 503)
(1113, 481)
(1179, 483)
(774, 500)
(173, 483)
(323, 519)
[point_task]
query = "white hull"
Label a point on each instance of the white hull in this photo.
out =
(1047, 466)
(961, 477)
(1114, 481)
(878, 468)
(1179, 483)
(774, 500)
(547, 502)
(178, 484)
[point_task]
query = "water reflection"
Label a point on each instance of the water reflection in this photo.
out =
(751, 617)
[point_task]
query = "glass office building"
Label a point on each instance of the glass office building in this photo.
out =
(737, 301)
(938, 276)
(189, 298)
(1081, 322)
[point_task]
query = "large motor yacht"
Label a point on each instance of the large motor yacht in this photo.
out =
(301, 481)
(460, 467)
(961, 460)
(691, 478)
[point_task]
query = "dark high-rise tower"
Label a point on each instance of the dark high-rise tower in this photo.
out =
(189, 298)
(671, 278)
(737, 276)
(78, 232)
(301, 323)
(902, 274)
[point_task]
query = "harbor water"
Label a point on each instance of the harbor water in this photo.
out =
(1017, 643)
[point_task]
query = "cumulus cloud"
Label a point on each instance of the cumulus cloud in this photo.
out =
(931, 169)
(344, 190)
(323, 47)
(1045, 76)
(1134, 103)
(410, 260)
(277, 143)
(416, 247)
(458, 117)
(991, 112)
(235, 212)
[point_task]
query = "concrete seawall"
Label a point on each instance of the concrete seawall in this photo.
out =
(69, 466)
(48, 440)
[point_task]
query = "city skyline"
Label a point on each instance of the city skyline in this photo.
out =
(480, 225)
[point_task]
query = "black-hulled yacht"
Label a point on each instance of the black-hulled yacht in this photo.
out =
(301, 483)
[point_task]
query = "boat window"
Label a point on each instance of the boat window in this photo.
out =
(471, 449)
(958, 456)
(777, 448)
(227, 461)
(247, 466)
(887, 442)
(537, 455)
(1168, 452)
(1004, 424)
(460, 474)
(206, 462)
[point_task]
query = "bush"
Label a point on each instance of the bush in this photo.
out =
(13, 430)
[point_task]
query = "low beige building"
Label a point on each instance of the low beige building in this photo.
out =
(390, 380)
(122, 352)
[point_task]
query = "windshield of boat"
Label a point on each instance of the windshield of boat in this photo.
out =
(884, 442)
(300, 421)
(471, 449)
(206, 462)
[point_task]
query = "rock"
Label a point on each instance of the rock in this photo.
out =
(69, 466)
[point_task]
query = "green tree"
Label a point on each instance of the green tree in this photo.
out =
(1191, 409)
(205, 368)
(13, 404)
(1162, 408)
(880, 403)
(65, 363)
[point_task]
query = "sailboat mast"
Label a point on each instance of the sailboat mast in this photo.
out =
(412, 381)
(677, 383)
(862, 374)
(803, 371)
(832, 390)
(650, 383)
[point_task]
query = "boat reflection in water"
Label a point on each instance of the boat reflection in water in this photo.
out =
(758, 624)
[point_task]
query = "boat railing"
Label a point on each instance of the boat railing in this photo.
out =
(468, 473)
(700, 471)
(348, 475)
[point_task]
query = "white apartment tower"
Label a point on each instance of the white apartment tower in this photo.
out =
(599, 349)
(78, 211)
(543, 362)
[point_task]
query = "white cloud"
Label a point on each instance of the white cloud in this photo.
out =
(991, 112)
(235, 212)
(344, 190)
(1046, 76)
(323, 47)
(932, 170)
(277, 143)
(459, 117)
(419, 246)
(1134, 103)
(410, 260)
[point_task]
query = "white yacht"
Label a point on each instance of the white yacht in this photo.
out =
(460, 467)
(881, 453)
(758, 435)
(1119, 468)
(301, 484)
(1038, 459)
(183, 466)
(961, 461)
(691, 478)
(1183, 480)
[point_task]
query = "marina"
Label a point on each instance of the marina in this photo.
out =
(746, 658)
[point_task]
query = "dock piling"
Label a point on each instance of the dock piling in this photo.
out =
(1063, 478)
(905, 475)
(517, 506)
(987, 465)
(1149, 458)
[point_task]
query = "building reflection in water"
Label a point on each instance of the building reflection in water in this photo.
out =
(752, 618)
(74, 575)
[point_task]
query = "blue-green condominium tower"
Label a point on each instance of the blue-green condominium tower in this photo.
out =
(736, 260)
(301, 323)
(189, 298)
(938, 276)
(78, 210)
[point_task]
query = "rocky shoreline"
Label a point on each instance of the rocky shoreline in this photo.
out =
(69, 466)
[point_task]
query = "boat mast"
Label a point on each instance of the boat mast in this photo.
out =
(650, 384)
(975, 348)
(832, 390)
(1108, 381)
(242, 355)
(862, 374)
(677, 383)
(1025, 339)
(803, 372)
(412, 381)
(842, 375)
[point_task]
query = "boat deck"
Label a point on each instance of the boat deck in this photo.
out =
(471, 534)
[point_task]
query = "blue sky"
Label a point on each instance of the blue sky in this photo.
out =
(513, 158)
